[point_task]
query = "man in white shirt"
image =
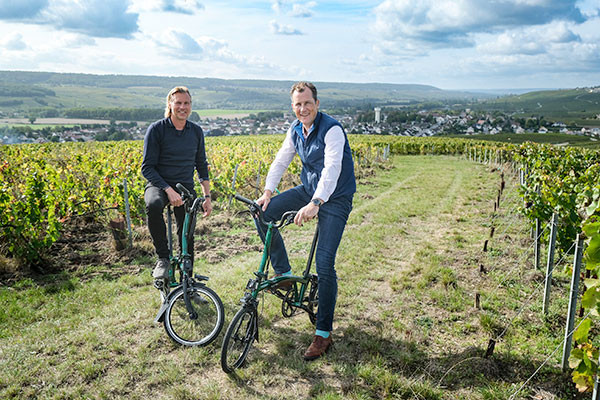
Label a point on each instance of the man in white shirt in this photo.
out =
(327, 189)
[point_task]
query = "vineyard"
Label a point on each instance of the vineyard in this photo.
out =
(44, 185)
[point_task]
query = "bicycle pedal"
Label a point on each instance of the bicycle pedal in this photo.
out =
(159, 284)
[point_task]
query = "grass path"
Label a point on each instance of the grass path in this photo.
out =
(405, 325)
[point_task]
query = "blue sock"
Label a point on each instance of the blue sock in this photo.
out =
(289, 273)
(323, 334)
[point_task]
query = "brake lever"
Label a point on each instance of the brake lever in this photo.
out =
(288, 218)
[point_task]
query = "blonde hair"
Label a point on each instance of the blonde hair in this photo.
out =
(176, 89)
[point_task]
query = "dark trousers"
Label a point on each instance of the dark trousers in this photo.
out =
(333, 216)
(156, 200)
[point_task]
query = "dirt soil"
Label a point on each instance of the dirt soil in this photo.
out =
(87, 242)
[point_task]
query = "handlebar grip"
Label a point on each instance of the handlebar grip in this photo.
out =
(183, 190)
(244, 200)
(255, 209)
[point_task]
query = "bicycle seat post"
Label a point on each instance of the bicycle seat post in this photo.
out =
(311, 254)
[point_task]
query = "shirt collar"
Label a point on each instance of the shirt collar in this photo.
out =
(299, 129)
(187, 124)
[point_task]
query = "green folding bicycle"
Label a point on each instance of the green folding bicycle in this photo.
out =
(302, 294)
(192, 313)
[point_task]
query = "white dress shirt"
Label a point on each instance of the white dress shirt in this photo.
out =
(334, 152)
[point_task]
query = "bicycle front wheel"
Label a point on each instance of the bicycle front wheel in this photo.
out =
(239, 337)
(200, 326)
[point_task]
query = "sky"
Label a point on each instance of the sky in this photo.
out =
(450, 44)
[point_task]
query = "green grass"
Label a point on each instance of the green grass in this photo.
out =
(405, 326)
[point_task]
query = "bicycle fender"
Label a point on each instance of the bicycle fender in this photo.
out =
(163, 308)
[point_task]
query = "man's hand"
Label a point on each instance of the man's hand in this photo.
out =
(265, 199)
(207, 206)
(306, 213)
(174, 197)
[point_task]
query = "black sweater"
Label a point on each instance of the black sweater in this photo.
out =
(170, 156)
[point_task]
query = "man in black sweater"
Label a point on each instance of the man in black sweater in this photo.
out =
(173, 148)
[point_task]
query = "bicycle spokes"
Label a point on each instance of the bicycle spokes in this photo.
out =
(240, 335)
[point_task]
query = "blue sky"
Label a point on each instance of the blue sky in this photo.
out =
(451, 44)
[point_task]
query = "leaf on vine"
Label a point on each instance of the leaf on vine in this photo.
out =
(589, 298)
(575, 358)
(591, 229)
(581, 334)
(582, 382)
(592, 283)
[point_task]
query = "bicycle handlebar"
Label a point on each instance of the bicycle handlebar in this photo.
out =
(186, 195)
(184, 192)
(256, 210)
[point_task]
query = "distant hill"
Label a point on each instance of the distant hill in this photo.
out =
(22, 91)
(50, 94)
(569, 105)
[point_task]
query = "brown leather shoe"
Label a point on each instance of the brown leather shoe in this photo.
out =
(285, 286)
(318, 347)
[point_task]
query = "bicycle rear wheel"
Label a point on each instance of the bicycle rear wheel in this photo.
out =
(206, 321)
(240, 335)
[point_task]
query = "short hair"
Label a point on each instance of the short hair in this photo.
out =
(176, 89)
(301, 86)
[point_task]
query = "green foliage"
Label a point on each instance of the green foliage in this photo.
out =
(42, 185)
(566, 181)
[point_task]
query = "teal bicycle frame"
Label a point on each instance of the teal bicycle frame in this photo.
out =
(184, 259)
(302, 294)
(295, 297)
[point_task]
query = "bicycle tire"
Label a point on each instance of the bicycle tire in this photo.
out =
(240, 335)
(205, 327)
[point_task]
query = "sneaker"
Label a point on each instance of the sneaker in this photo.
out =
(161, 270)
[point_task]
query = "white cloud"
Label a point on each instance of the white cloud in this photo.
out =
(283, 29)
(180, 43)
(276, 6)
(206, 49)
(530, 40)
(446, 43)
(73, 40)
(219, 50)
(98, 18)
(22, 9)
(13, 42)
(189, 7)
(303, 10)
(447, 23)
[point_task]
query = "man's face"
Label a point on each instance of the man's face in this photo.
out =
(181, 106)
(305, 107)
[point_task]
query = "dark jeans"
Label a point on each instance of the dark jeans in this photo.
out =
(332, 221)
(156, 200)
